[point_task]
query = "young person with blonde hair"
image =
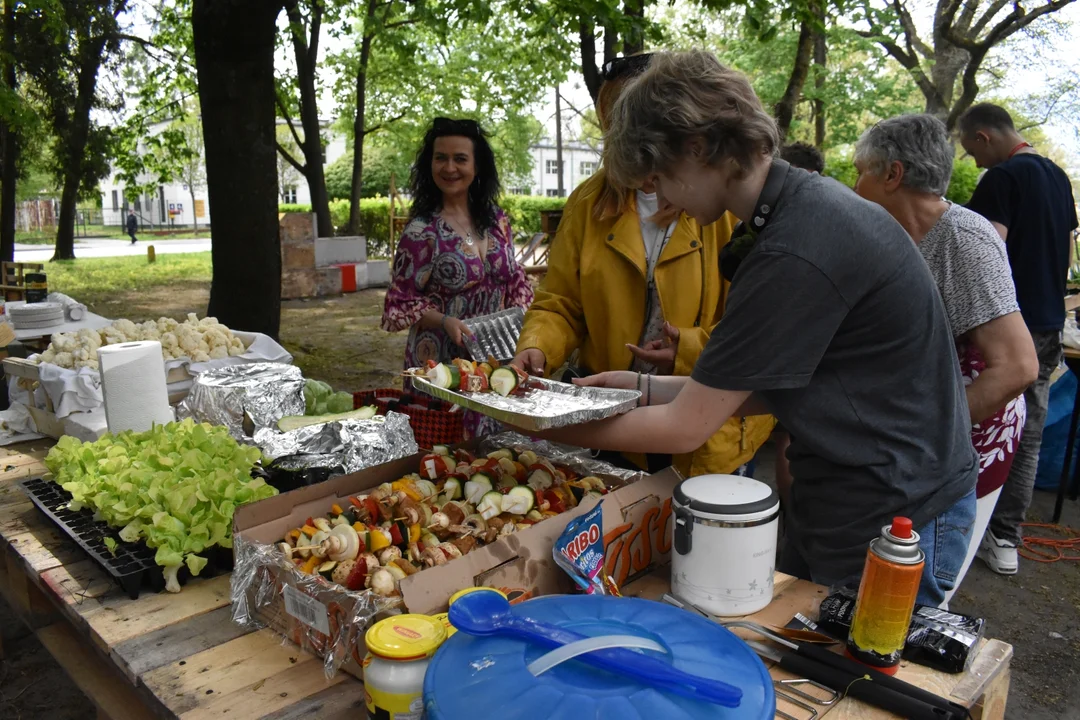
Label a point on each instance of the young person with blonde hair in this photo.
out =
(833, 324)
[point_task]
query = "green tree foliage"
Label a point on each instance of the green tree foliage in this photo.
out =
(63, 48)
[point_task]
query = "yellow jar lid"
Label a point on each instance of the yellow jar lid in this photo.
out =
(456, 596)
(406, 637)
(444, 618)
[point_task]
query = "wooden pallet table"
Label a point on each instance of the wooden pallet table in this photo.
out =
(181, 656)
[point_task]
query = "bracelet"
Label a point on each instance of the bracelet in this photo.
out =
(639, 389)
(442, 323)
(648, 389)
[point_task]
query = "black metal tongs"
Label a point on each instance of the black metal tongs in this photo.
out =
(844, 675)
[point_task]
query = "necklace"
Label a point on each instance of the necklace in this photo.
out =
(1018, 148)
(468, 238)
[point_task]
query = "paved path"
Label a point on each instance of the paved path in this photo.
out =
(103, 247)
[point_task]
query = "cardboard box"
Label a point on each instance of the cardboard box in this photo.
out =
(637, 539)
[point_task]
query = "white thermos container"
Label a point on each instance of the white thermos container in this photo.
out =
(724, 545)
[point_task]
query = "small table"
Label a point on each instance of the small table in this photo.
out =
(90, 321)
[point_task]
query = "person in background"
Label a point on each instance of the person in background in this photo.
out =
(805, 156)
(455, 259)
(904, 165)
(132, 226)
(1029, 201)
(631, 285)
(833, 324)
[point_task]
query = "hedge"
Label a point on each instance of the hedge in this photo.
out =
(524, 212)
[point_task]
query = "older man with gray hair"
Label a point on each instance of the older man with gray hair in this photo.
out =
(904, 165)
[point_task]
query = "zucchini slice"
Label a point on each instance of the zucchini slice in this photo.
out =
(490, 505)
(293, 422)
(327, 570)
(477, 486)
(445, 376)
(504, 380)
(519, 501)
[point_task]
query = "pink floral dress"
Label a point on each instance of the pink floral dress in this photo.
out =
(433, 271)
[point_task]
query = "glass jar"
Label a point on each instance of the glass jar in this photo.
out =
(399, 649)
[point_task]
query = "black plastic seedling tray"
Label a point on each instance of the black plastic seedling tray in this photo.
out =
(132, 566)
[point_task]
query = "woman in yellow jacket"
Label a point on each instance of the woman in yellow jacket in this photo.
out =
(630, 293)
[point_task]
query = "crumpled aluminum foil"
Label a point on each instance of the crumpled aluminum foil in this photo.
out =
(260, 575)
(547, 404)
(354, 444)
(245, 398)
(579, 459)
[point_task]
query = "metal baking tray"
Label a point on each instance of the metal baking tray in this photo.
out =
(549, 404)
(495, 335)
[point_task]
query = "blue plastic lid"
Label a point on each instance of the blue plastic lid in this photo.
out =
(473, 677)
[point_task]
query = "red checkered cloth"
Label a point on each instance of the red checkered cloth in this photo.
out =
(431, 420)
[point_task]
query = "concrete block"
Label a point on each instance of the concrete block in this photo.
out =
(377, 273)
(298, 284)
(340, 250)
(328, 281)
(298, 257)
(297, 228)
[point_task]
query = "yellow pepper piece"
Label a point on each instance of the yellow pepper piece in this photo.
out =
(309, 531)
(295, 534)
(378, 540)
(336, 509)
(309, 565)
(407, 487)
(414, 533)
(359, 526)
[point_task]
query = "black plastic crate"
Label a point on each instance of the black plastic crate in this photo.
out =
(132, 566)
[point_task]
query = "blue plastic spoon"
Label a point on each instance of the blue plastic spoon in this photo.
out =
(488, 613)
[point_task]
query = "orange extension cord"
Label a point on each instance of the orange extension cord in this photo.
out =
(1063, 544)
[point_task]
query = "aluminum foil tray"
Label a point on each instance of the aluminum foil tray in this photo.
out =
(549, 405)
(495, 335)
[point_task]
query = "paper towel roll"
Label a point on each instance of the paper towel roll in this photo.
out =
(133, 386)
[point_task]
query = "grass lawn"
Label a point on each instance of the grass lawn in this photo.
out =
(96, 280)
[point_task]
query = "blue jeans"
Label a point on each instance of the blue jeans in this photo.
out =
(945, 541)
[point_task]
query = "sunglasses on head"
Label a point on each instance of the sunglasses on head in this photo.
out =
(624, 66)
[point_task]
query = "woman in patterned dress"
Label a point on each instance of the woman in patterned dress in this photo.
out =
(904, 165)
(455, 260)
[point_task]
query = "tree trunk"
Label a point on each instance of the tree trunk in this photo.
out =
(89, 63)
(9, 144)
(821, 62)
(306, 54)
(785, 108)
(234, 60)
(587, 46)
(359, 132)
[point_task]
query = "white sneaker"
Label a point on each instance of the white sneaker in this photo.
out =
(999, 554)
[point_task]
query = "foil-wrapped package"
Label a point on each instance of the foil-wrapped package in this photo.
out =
(245, 398)
(264, 585)
(355, 444)
(544, 405)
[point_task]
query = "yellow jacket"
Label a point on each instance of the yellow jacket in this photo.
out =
(594, 297)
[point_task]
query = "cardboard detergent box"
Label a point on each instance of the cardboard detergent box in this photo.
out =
(324, 618)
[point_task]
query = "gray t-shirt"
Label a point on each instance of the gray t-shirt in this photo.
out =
(834, 319)
(971, 268)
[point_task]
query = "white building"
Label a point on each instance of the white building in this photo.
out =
(579, 162)
(171, 203)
